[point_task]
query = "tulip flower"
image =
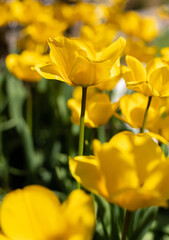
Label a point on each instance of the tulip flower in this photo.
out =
(98, 36)
(49, 28)
(140, 50)
(133, 108)
(20, 65)
(6, 15)
(75, 63)
(165, 54)
(35, 212)
(144, 27)
(99, 108)
(130, 170)
(151, 81)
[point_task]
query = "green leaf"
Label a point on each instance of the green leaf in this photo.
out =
(141, 222)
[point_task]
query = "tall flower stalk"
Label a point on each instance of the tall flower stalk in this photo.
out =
(146, 114)
(82, 126)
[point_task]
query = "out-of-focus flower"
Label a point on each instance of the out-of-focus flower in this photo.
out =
(98, 36)
(41, 31)
(27, 43)
(99, 108)
(133, 107)
(87, 13)
(163, 11)
(143, 27)
(20, 65)
(35, 212)
(6, 15)
(151, 81)
(25, 11)
(130, 170)
(90, 13)
(140, 50)
(165, 54)
(75, 63)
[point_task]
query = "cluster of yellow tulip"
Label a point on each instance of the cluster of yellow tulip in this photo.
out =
(85, 45)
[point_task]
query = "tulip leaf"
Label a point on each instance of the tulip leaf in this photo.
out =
(141, 222)
(111, 217)
(17, 94)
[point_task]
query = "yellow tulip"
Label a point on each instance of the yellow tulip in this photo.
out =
(20, 65)
(75, 63)
(41, 31)
(165, 54)
(151, 81)
(35, 213)
(144, 27)
(6, 15)
(99, 108)
(133, 107)
(98, 36)
(140, 50)
(26, 11)
(130, 171)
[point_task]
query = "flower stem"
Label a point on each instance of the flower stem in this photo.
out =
(29, 109)
(126, 224)
(81, 134)
(146, 114)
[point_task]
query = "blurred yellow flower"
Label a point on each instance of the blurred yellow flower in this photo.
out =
(130, 170)
(75, 63)
(25, 11)
(99, 108)
(41, 31)
(98, 36)
(144, 27)
(151, 81)
(165, 54)
(140, 50)
(20, 65)
(6, 15)
(83, 12)
(133, 107)
(35, 212)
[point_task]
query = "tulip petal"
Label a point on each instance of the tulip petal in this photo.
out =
(37, 215)
(137, 69)
(64, 51)
(159, 180)
(81, 223)
(158, 79)
(51, 71)
(113, 51)
(133, 199)
(86, 171)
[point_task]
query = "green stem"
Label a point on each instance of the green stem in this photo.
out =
(126, 224)
(146, 114)
(29, 109)
(81, 134)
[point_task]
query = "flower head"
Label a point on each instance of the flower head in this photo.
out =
(151, 81)
(130, 170)
(75, 63)
(99, 108)
(36, 213)
(20, 65)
